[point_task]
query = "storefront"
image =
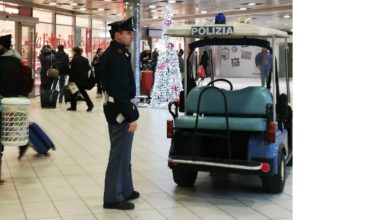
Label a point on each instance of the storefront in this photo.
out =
(33, 28)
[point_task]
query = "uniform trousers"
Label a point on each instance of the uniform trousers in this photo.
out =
(119, 183)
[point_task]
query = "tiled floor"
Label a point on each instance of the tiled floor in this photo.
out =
(69, 183)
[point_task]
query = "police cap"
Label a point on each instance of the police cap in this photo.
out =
(124, 25)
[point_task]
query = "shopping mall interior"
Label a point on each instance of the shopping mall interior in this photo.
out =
(228, 156)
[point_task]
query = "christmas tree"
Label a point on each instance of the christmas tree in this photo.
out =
(167, 84)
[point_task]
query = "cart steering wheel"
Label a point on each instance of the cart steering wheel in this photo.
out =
(222, 80)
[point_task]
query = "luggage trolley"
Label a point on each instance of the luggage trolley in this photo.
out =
(14, 123)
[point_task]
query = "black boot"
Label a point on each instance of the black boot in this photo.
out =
(119, 205)
(22, 151)
(90, 108)
(133, 196)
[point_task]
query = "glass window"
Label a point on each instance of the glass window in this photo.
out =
(98, 24)
(8, 27)
(98, 40)
(82, 22)
(43, 35)
(64, 19)
(44, 16)
(65, 37)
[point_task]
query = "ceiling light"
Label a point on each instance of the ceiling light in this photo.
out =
(107, 0)
(83, 9)
(100, 9)
(52, 3)
(73, 3)
(153, 11)
(155, 17)
(251, 4)
(172, 1)
(243, 9)
(203, 12)
(152, 6)
(119, 14)
(286, 16)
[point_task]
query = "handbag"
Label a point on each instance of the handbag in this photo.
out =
(90, 81)
(73, 87)
(52, 72)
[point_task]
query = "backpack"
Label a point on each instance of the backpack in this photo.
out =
(25, 80)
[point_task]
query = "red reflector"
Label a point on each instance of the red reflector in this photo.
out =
(271, 132)
(169, 128)
(265, 167)
(174, 163)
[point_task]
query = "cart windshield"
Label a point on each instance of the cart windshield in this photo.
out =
(245, 65)
(242, 65)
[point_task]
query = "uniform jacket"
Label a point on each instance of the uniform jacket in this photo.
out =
(118, 82)
(79, 69)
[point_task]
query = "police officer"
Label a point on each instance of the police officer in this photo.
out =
(121, 115)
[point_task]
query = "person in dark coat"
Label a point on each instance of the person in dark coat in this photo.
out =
(47, 59)
(10, 68)
(181, 62)
(62, 64)
(204, 61)
(121, 115)
(95, 64)
(79, 70)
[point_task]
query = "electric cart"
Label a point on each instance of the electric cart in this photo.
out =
(223, 129)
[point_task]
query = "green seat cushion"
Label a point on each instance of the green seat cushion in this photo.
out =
(250, 101)
(219, 123)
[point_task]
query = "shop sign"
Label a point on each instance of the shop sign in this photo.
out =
(9, 9)
(213, 30)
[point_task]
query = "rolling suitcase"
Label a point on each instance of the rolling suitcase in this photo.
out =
(49, 97)
(39, 139)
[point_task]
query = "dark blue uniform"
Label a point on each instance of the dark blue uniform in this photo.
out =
(119, 87)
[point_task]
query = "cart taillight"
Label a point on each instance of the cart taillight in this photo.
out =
(265, 167)
(169, 128)
(271, 132)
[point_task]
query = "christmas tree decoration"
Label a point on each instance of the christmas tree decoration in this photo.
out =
(168, 81)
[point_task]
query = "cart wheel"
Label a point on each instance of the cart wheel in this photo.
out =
(184, 178)
(275, 184)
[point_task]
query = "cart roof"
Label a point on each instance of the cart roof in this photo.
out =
(230, 30)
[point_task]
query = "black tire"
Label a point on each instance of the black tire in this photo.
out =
(290, 134)
(290, 163)
(275, 184)
(185, 178)
(290, 146)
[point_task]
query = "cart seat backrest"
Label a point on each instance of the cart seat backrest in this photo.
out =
(250, 101)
